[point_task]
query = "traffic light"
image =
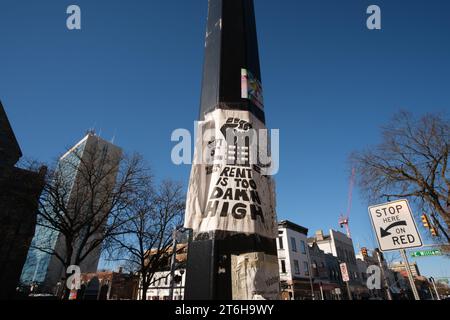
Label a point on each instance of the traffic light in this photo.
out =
(434, 232)
(426, 221)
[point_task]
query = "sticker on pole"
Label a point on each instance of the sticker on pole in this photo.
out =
(395, 226)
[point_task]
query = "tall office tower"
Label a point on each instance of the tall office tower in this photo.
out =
(19, 193)
(231, 197)
(91, 157)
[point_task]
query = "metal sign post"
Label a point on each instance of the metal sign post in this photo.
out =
(433, 282)
(321, 292)
(346, 279)
(410, 275)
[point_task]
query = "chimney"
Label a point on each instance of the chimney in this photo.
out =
(319, 235)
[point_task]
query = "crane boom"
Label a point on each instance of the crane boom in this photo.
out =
(345, 220)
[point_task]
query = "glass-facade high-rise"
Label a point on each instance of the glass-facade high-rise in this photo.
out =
(42, 267)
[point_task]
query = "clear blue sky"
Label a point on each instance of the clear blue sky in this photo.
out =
(134, 71)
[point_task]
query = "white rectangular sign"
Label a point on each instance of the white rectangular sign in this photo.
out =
(344, 272)
(395, 226)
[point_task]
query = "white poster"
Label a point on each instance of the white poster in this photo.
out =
(255, 276)
(228, 190)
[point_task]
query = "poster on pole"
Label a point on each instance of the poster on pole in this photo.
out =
(394, 226)
(255, 276)
(229, 188)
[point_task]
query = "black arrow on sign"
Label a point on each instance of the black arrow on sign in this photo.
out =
(385, 232)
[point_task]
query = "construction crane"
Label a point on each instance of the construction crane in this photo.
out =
(344, 220)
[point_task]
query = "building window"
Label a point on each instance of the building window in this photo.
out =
(306, 267)
(283, 266)
(280, 242)
(296, 267)
(303, 247)
(293, 244)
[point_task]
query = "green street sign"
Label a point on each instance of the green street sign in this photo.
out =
(426, 253)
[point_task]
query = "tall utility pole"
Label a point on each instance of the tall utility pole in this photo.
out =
(231, 198)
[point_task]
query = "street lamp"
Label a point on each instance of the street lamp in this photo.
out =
(176, 231)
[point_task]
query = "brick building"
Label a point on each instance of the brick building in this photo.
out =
(108, 285)
(19, 193)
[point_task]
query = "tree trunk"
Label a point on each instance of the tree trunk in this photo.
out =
(144, 292)
(69, 252)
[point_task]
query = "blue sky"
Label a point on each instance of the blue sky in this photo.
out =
(134, 72)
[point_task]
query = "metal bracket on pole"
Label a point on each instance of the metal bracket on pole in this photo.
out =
(350, 297)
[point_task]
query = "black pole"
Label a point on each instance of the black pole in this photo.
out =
(231, 54)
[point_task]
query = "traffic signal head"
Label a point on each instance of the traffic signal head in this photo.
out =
(425, 221)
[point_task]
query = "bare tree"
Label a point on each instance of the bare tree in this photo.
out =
(144, 243)
(84, 198)
(411, 162)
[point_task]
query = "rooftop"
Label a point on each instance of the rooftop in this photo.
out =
(293, 226)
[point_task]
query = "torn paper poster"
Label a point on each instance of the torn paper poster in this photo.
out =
(255, 276)
(228, 190)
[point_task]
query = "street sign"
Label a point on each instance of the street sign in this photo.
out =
(426, 253)
(395, 226)
(344, 272)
